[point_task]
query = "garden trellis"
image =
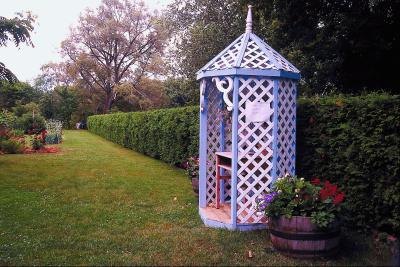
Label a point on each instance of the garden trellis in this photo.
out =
(247, 129)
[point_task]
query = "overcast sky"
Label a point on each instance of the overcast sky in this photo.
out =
(52, 26)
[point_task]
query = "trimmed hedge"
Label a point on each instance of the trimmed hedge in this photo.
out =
(356, 142)
(167, 134)
(353, 141)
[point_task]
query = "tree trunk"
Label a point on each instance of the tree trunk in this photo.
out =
(108, 102)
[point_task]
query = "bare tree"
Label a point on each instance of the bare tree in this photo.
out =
(111, 45)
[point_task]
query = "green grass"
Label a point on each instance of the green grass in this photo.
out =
(96, 203)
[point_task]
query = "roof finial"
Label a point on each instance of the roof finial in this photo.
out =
(249, 20)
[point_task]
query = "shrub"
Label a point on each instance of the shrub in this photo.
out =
(53, 131)
(30, 124)
(354, 141)
(167, 134)
(7, 119)
(11, 146)
(17, 132)
(37, 143)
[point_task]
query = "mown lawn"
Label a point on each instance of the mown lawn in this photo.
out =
(96, 203)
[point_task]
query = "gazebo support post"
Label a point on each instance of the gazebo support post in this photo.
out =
(203, 144)
(235, 114)
(275, 133)
(222, 148)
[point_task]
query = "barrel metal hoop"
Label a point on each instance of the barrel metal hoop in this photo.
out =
(304, 236)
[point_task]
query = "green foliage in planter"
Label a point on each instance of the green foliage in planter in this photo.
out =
(355, 142)
(167, 134)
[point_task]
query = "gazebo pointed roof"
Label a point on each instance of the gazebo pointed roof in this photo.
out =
(249, 52)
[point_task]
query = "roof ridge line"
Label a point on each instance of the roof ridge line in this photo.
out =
(214, 59)
(242, 50)
(270, 55)
(279, 55)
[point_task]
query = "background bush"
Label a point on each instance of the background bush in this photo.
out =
(11, 146)
(353, 141)
(167, 134)
(29, 123)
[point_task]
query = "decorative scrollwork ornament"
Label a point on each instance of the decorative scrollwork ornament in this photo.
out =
(225, 85)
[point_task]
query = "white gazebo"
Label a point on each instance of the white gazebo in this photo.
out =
(247, 129)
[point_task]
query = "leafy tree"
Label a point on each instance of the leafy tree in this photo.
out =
(148, 94)
(339, 46)
(21, 93)
(31, 108)
(112, 45)
(199, 30)
(60, 104)
(182, 91)
(17, 30)
(53, 75)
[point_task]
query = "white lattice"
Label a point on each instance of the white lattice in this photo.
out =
(228, 58)
(257, 55)
(255, 58)
(254, 148)
(214, 118)
(286, 127)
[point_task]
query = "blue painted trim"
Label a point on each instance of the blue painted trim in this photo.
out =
(222, 148)
(250, 72)
(275, 133)
(239, 58)
(212, 61)
(203, 150)
(251, 227)
(295, 130)
(235, 114)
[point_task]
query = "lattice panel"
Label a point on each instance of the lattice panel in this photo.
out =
(286, 128)
(214, 118)
(254, 148)
(255, 58)
(213, 140)
(227, 60)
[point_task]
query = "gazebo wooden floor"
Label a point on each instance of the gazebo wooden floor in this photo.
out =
(223, 214)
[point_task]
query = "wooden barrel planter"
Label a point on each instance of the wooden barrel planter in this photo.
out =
(299, 237)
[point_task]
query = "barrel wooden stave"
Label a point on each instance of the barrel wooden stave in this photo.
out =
(299, 237)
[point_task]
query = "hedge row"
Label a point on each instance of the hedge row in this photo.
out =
(353, 141)
(167, 134)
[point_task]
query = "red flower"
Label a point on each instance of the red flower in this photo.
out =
(338, 198)
(315, 181)
(329, 190)
(323, 194)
